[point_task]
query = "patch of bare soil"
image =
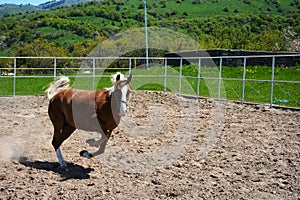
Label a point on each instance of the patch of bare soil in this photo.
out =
(166, 148)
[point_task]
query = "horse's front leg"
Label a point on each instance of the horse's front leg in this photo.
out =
(96, 143)
(100, 143)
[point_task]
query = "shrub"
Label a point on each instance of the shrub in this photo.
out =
(226, 9)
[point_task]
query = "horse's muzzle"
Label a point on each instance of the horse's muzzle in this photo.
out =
(123, 109)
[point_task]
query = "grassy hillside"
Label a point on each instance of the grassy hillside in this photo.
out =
(12, 9)
(57, 3)
(270, 25)
(7, 9)
(210, 8)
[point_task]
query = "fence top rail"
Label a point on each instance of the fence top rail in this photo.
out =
(154, 58)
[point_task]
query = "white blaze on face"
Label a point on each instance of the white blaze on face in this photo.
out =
(123, 107)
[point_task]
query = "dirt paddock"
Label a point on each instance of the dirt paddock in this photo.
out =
(166, 148)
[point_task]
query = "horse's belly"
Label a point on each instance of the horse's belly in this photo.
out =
(95, 127)
(87, 122)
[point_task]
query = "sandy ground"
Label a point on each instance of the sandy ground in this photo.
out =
(166, 148)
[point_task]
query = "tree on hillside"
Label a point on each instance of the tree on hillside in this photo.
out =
(232, 38)
(267, 41)
(291, 40)
(38, 48)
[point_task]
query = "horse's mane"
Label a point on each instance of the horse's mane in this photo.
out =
(60, 83)
(110, 90)
(115, 78)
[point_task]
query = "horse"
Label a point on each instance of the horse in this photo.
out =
(97, 111)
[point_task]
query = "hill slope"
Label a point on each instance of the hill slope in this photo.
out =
(6, 9)
(73, 31)
(13, 9)
(55, 4)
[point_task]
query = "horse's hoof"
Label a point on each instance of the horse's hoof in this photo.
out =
(64, 167)
(85, 154)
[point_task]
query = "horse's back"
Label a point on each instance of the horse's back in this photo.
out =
(78, 97)
(77, 108)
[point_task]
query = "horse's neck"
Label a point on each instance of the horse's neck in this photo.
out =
(108, 115)
(104, 98)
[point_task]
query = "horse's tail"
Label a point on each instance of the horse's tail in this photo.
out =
(60, 83)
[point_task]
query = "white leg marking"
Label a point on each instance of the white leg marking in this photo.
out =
(61, 160)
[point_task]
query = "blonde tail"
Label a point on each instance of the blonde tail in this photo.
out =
(59, 84)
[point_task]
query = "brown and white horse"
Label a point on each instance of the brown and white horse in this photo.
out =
(100, 111)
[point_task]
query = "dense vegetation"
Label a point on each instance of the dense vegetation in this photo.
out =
(270, 25)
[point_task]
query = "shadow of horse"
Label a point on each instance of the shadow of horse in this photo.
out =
(74, 171)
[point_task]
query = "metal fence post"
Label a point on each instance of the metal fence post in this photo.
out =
(54, 73)
(94, 69)
(129, 65)
(272, 82)
(199, 73)
(243, 81)
(165, 76)
(219, 80)
(15, 76)
(180, 77)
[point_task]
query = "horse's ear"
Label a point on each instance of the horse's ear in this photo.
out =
(129, 78)
(118, 77)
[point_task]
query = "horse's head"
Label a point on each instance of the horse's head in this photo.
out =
(121, 94)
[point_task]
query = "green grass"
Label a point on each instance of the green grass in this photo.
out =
(287, 94)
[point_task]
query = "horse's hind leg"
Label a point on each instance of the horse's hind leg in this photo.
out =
(60, 135)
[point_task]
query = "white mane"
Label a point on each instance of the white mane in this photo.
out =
(60, 83)
(113, 79)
